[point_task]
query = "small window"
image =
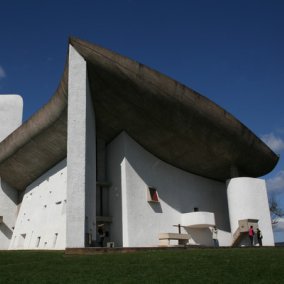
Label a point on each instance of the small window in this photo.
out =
(152, 194)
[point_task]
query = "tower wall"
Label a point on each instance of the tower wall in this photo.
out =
(247, 199)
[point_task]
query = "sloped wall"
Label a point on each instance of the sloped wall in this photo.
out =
(41, 223)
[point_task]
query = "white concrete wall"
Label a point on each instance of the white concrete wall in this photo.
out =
(8, 210)
(80, 154)
(11, 114)
(247, 199)
(137, 222)
(115, 156)
(90, 168)
(198, 219)
(43, 212)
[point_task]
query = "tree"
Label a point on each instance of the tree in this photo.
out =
(275, 211)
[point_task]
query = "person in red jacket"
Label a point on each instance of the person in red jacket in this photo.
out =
(251, 234)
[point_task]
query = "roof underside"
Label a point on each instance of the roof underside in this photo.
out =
(178, 125)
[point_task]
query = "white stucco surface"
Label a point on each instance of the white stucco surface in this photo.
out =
(90, 189)
(247, 199)
(81, 157)
(198, 219)
(136, 222)
(8, 210)
(41, 222)
(115, 170)
(11, 114)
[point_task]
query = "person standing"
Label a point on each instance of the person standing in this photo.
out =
(259, 237)
(215, 236)
(251, 234)
(101, 233)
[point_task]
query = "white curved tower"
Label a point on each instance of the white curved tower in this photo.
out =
(247, 199)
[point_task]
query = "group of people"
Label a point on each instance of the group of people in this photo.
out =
(258, 236)
(251, 234)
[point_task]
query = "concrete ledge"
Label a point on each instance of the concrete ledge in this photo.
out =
(174, 236)
(165, 238)
(93, 250)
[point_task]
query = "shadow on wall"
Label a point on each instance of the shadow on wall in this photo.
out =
(58, 167)
(200, 236)
(156, 207)
(11, 193)
(6, 230)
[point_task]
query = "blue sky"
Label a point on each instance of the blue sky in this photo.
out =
(230, 51)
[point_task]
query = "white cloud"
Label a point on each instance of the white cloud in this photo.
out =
(274, 142)
(276, 184)
(2, 73)
(279, 227)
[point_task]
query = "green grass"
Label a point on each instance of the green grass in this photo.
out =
(250, 265)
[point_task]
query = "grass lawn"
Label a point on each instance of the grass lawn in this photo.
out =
(249, 265)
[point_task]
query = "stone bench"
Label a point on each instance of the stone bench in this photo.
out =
(165, 238)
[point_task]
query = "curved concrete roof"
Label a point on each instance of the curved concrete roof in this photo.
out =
(175, 123)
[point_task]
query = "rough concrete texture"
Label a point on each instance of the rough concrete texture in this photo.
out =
(175, 123)
(38, 144)
(76, 147)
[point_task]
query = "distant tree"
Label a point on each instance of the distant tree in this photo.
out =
(275, 211)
